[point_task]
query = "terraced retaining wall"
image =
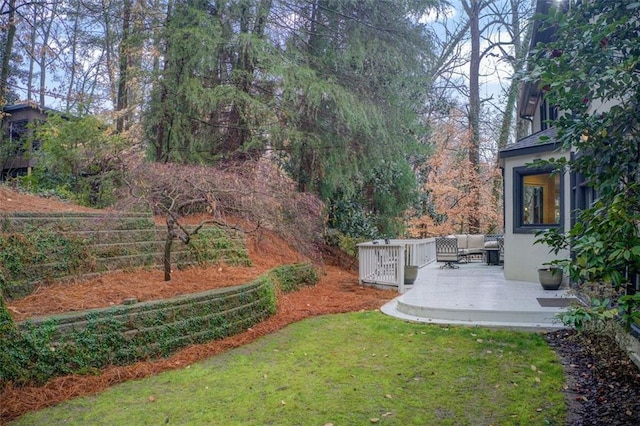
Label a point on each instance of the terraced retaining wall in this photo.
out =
(39, 247)
(34, 351)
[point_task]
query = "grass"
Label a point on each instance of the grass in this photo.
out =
(348, 369)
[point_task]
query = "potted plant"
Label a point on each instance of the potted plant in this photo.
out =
(410, 274)
(550, 277)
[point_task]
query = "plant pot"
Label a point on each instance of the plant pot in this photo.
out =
(550, 278)
(410, 274)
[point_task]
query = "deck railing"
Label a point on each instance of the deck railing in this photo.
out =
(381, 262)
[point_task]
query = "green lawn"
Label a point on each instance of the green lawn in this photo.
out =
(348, 369)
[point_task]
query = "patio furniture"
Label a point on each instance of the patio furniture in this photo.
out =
(495, 242)
(471, 245)
(455, 248)
(447, 251)
(492, 255)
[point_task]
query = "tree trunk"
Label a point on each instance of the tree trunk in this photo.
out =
(32, 54)
(74, 50)
(520, 50)
(161, 132)
(7, 53)
(166, 258)
(473, 11)
(108, 48)
(51, 16)
(121, 105)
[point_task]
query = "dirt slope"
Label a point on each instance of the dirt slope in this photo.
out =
(12, 201)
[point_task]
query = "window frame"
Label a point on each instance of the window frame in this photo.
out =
(519, 173)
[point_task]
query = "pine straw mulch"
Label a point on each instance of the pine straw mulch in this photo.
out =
(337, 291)
(13, 201)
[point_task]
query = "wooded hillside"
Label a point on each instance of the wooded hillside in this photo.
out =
(345, 97)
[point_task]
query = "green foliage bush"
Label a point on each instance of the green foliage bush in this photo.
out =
(78, 160)
(349, 218)
(346, 243)
(290, 278)
(596, 317)
(212, 244)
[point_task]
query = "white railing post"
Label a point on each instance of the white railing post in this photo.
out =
(400, 262)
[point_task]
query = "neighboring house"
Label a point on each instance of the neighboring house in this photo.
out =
(16, 149)
(534, 198)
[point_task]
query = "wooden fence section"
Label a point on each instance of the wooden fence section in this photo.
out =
(382, 262)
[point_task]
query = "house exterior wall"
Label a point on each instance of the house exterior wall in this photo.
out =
(521, 255)
(17, 163)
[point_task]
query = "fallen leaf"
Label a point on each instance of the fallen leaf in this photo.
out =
(152, 398)
(533, 368)
(537, 379)
(387, 414)
(539, 410)
(388, 396)
(283, 403)
(374, 420)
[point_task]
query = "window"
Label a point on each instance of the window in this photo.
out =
(583, 195)
(537, 199)
(547, 114)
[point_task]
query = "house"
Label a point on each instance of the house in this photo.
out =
(599, 89)
(16, 148)
(534, 198)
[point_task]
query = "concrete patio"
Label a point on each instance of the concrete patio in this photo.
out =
(477, 294)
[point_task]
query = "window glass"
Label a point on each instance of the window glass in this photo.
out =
(538, 200)
(541, 199)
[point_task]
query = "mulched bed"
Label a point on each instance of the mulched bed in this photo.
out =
(603, 384)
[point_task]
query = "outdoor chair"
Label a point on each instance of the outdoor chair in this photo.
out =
(447, 251)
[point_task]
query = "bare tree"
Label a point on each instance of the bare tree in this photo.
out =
(492, 30)
(244, 197)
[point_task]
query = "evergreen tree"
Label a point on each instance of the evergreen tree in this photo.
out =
(355, 80)
(204, 105)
